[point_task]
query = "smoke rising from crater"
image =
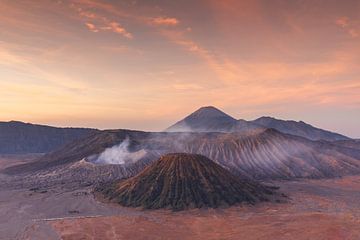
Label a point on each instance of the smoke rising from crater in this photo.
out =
(120, 154)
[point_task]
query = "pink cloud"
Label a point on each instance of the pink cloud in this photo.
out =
(117, 28)
(345, 23)
(102, 23)
(354, 33)
(166, 21)
(91, 27)
(342, 22)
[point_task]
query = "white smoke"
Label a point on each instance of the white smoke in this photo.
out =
(119, 154)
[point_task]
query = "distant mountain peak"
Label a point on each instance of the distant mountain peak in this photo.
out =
(210, 112)
(205, 119)
(211, 119)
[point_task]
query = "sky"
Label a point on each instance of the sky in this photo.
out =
(145, 64)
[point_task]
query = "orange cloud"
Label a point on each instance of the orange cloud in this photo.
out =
(354, 33)
(345, 23)
(117, 28)
(164, 21)
(91, 27)
(104, 24)
(342, 22)
(89, 15)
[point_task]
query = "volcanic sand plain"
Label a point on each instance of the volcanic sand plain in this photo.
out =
(317, 209)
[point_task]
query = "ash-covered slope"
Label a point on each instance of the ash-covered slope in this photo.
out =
(299, 129)
(263, 155)
(211, 119)
(20, 138)
(266, 155)
(179, 181)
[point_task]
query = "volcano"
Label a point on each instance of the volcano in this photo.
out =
(211, 119)
(179, 181)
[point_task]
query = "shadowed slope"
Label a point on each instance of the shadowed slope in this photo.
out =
(19, 138)
(300, 128)
(179, 181)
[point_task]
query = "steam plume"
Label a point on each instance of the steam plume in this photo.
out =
(120, 154)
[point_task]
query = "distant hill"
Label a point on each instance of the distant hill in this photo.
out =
(211, 119)
(179, 181)
(299, 129)
(18, 137)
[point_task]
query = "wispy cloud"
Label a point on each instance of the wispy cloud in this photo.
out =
(166, 21)
(117, 28)
(354, 33)
(348, 25)
(100, 22)
(91, 27)
(342, 22)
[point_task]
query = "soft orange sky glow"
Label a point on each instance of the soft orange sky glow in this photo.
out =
(144, 64)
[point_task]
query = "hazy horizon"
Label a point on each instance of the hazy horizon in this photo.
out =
(146, 64)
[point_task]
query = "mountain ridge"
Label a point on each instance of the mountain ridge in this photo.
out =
(299, 128)
(211, 119)
(20, 137)
(212, 122)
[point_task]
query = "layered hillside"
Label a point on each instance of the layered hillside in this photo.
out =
(179, 181)
(268, 154)
(20, 138)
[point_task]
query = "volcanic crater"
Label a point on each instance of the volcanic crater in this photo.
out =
(181, 181)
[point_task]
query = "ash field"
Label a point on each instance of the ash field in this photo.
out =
(209, 176)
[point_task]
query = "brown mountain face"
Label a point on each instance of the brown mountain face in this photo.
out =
(179, 181)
